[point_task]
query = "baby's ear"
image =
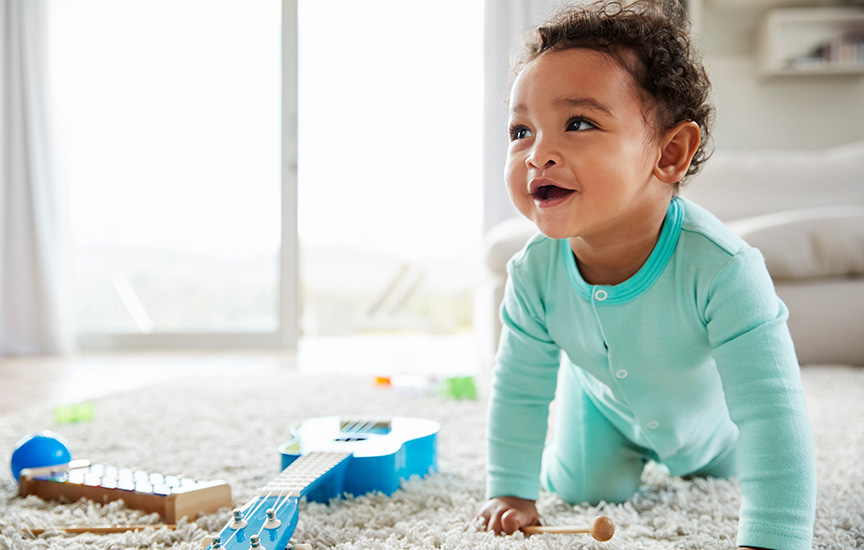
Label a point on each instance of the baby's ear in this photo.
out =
(676, 151)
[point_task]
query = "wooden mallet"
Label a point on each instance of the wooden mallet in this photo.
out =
(601, 529)
(98, 529)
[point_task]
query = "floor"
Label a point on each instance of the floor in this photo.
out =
(56, 381)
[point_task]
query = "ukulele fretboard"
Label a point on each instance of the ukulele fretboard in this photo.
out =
(302, 473)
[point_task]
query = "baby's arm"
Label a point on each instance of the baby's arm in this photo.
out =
(762, 385)
(508, 514)
(524, 385)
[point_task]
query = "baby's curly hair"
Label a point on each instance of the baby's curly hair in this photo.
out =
(651, 40)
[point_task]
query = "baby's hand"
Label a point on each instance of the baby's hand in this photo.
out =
(508, 514)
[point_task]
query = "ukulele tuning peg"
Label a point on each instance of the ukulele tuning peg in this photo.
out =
(238, 522)
(272, 522)
(215, 543)
(255, 542)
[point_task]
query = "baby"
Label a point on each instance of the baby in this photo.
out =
(656, 327)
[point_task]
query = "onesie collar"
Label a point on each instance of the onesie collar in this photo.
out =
(644, 278)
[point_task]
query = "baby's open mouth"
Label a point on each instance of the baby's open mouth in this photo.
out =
(550, 192)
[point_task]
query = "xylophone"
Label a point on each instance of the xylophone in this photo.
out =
(172, 497)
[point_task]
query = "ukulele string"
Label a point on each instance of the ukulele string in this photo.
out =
(286, 498)
(349, 428)
(252, 511)
(360, 426)
(282, 500)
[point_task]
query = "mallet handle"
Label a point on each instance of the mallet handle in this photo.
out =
(101, 529)
(536, 529)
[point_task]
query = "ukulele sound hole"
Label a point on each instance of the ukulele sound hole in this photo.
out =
(351, 438)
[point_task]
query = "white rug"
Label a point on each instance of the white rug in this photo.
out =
(230, 429)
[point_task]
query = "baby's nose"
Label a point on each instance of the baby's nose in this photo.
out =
(540, 161)
(543, 155)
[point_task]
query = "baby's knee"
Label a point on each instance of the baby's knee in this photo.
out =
(723, 466)
(578, 487)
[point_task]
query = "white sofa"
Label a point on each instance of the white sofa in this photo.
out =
(803, 209)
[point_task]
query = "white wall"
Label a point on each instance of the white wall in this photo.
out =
(803, 112)
(784, 112)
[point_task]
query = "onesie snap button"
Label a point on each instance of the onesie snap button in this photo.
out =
(600, 295)
(653, 425)
(621, 374)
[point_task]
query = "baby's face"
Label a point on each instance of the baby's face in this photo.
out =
(582, 154)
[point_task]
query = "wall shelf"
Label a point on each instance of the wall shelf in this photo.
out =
(784, 37)
(812, 41)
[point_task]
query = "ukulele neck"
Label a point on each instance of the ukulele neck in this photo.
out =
(304, 473)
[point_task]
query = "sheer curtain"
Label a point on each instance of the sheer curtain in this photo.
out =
(505, 22)
(31, 318)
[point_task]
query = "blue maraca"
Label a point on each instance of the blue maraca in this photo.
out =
(44, 448)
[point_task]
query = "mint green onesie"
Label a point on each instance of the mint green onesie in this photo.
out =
(688, 363)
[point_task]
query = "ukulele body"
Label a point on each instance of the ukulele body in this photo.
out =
(383, 453)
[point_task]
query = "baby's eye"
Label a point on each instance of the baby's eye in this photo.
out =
(519, 132)
(577, 124)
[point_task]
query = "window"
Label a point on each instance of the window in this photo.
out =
(167, 123)
(390, 165)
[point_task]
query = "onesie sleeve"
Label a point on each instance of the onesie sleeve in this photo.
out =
(756, 360)
(523, 386)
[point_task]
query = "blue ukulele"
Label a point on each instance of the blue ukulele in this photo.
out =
(326, 458)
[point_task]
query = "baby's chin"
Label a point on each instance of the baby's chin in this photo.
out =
(552, 232)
